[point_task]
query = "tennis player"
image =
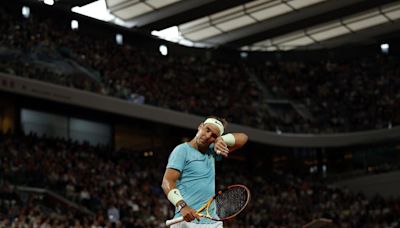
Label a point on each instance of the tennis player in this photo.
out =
(189, 178)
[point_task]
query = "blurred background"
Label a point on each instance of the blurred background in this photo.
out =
(94, 95)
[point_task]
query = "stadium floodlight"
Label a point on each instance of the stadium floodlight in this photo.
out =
(49, 2)
(163, 50)
(26, 11)
(313, 169)
(74, 24)
(119, 39)
(385, 48)
(243, 55)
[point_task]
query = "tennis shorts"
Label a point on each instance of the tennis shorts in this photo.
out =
(195, 225)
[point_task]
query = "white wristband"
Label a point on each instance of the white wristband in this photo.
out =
(229, 139)
(174, 196)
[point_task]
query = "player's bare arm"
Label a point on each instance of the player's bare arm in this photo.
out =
(168, 184)
(230, 142)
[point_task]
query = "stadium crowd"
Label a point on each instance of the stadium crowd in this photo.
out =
(187, 84)
(40, 49)
(90, 176)
(344, 96)
(122, 189)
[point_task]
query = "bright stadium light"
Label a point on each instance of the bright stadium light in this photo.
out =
(324, 168)
(385, 48)
(95, 9)
(243, 55)
(26, 11)
(74, 24)
(170, 34)
(119, 39)
(163, 50)
(313, 169)
(49, 2)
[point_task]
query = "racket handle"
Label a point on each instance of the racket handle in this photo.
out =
(174, 221)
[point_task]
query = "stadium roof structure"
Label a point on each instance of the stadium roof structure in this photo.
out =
(260, 25)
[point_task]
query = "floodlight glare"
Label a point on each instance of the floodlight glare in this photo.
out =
(119, 39)
(74, 24)
(26, 11)
(163, 50)
(49, 2)
(385, 48)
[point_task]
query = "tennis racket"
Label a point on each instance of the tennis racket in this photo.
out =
(228, 203)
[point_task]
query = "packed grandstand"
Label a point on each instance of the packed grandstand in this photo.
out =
(106, 187)
(43, 50)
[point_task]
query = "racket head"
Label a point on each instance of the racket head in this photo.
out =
(230, 202)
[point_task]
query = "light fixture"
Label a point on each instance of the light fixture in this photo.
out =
(163, 50)
(74, 24)
(26, 11)
(119, 39)
(49, 2)
(385, 48)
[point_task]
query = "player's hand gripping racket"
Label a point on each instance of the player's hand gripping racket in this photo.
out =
(228, 202)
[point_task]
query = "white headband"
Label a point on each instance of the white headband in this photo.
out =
(216, 123)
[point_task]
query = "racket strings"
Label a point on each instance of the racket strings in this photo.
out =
(231, 202)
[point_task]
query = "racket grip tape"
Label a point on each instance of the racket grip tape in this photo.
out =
(174, 221)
